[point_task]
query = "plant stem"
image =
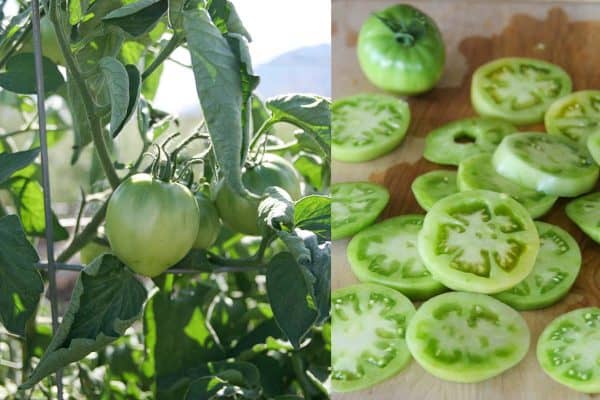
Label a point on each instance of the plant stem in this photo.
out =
(264, 127)
(88, 102)
(87, 234)
(298, 367)
(165, 53)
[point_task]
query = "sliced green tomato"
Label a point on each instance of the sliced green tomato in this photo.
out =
(354, 206)
(433, 186)
(467, 337)
(593, 145)
(519, 90)
(585, 212)
(478, 241)
(546, 163)
(478, 172)
(569, 350)
(556, 268)
(574, 116)
(458, 140)
(367, 126)
(386, 253)
(368, 328)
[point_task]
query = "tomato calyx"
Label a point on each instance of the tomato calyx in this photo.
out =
(407, 35)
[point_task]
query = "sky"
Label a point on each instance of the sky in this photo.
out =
(276, 27)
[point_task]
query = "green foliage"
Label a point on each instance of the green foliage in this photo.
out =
(249, 319)
(20, 283)
(19, 76)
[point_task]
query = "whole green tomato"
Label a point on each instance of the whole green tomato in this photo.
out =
(240, 213)
(210, 224)
(92, 250)
(151, 224)
(50, 46)
(400, 49)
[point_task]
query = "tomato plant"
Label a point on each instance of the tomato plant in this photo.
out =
(175, 300)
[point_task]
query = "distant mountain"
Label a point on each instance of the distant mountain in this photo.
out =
(307, 69)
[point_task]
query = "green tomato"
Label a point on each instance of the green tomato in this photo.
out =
(151, 224)
(210, 224)
(240, 213)
(50, 46)
(92, 250)
(400, 49)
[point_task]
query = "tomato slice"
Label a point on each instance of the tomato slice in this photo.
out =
(574, 116)
(366, 126)
(585, 212)
(433, 186)
(546, 163)
(478, 172)
(478, 241)
(556, 268)
(569, 350)
(386, 253)
(519, 90)
(467, 337)
(458, 140)
(593, 145)
(354, 206)
(368, 328)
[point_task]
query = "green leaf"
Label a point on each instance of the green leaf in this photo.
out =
(234, 22)
(313, 213)
(12, 162)
(139, 17)
(310, 113)
(225, 379)
(107, 300)
(218, 83)
(20, 282)
(226, 18)
(19, 76)
(206, 388)
(288, 294)
(117, 81)
(276, 210)
(28, 197)
(75, 12)
(317, 273)
(312, 170)
(177, 339)
(135, 83)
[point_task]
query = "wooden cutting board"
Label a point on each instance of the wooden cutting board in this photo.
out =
(565, 33)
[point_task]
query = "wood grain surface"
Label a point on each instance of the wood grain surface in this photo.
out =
(565, 33)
